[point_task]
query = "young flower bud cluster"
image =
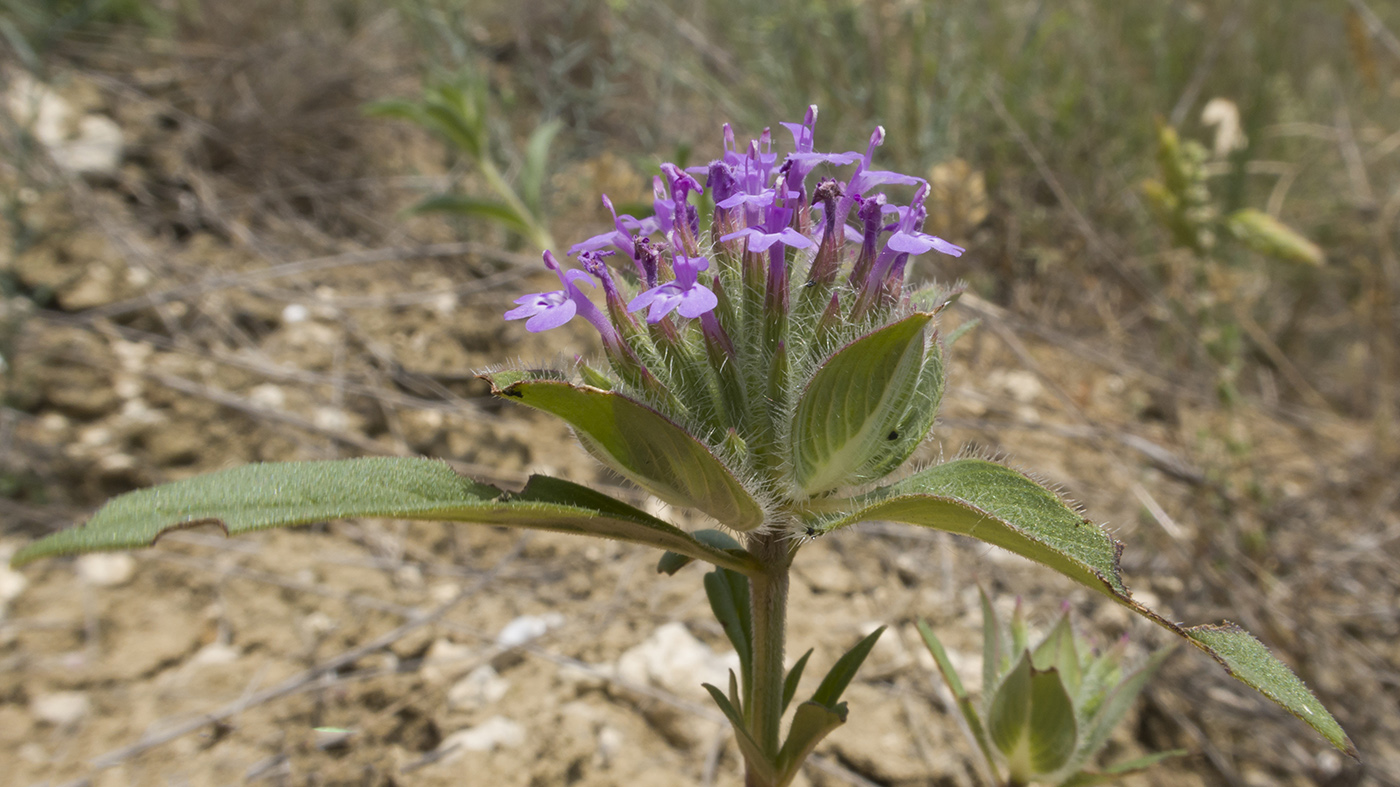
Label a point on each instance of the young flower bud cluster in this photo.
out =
(781, 339)
(1047, 708)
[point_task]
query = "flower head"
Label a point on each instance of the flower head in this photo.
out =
(685, 295)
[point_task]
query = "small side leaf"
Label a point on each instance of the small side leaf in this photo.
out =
(1053, 731)
(810, 724)
(844, 670)
(1118, 702)
(753, 755)
(671, 562)
(794, 677)
(1004, 508)
(728, 593)
(642, 445)
(261, 496)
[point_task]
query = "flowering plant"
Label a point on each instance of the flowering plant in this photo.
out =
(783, 370)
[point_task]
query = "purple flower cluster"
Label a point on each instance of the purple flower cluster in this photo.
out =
(761, 208)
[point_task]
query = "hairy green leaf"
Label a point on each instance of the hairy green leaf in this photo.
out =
(1004, 508)
(844, 670)
(850, 415)
(642, 445)
(810, 724)
(260, 496)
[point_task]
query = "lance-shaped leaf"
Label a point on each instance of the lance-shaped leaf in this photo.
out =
(642, 445)
(851, 414)
(1002, 507)
(260, 496)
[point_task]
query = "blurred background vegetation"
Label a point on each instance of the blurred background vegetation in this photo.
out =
(1038, 121)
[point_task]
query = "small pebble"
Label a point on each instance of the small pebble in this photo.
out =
(106, 570)
(496, 732)
(62, 708)
(528, 627)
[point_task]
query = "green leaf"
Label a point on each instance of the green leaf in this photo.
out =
(960, 695)
(1248, 660)
(671, 562)
(641, 444)
(498, 212)
(1010, 713)
(992, 646)
(794, 677)
(728, 593)
(1004, 508)
(844, 670)
(1118, 702)
(810, 724)
(850, 415)
(753, 755)
(532, 171)
(260, 496)
(1054, 733)
(1272, 238)
(1058, 650)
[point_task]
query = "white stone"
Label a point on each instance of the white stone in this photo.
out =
(215, 654)
(497, 732)
(481, 687)
(673, 659)
(61, 709)
(267, 396)
(295, 312)
(12, 583)
(447, 660)
(96, 149)
(106, 570)
(528, 627)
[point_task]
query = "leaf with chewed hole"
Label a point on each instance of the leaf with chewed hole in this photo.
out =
(261, 496)
(1002, 507)
(853, 415)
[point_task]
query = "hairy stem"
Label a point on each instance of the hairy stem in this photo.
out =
(768, 591)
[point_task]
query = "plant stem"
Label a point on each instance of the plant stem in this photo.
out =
(769, 592)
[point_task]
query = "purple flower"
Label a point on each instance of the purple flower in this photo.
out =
(547, 310)
(774, 230)
(620, 237)
(685, 296)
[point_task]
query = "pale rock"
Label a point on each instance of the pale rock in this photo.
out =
(611, 742)
(34, 754)
(12, 583)
(215, 654)
(268, 396)
(497, 732)
(95, 149)
(295, 312)
(443, 592)
(447, 660)
(673, 659)
(528, 627)
(1021, 385)
(331, 419)
(107, 570)
(315, 626)
(61, 708)
(481, 687)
